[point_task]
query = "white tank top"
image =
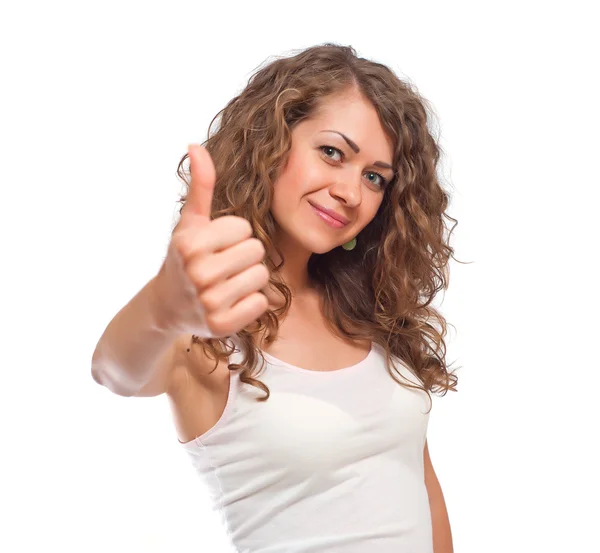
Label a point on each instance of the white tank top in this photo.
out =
(332, 462)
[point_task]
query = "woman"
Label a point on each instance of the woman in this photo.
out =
(290, 324)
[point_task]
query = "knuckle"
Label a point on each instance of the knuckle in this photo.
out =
(201, 281)
(264, 273)
(258, 245)
(190, 244)
(178, 243)
(199, 276)
(245, 226)
(217, 325)
(263, 303)
(209, 301)
(199, 246)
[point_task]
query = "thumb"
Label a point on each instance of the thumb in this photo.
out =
(202, 182)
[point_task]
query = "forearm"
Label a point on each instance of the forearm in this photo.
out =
(130, 347)
(442, 534)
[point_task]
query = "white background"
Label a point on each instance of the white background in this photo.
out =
(99, 102)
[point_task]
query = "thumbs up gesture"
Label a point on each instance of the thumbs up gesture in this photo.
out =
(209, 282)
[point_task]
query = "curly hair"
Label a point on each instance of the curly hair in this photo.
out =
(382, 289)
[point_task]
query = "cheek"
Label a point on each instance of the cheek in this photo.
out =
(372, 211)
(294, 179)
(285, 191)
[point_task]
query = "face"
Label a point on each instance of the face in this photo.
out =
(345, 175)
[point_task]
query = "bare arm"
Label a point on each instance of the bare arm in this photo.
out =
(135, 349)
(442, 534)
(208, 284)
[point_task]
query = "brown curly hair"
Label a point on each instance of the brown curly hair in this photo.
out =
(383, 288)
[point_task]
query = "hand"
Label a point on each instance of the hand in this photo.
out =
(209, 282)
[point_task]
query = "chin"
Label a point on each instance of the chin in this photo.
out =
(320, 246)
(308, 237)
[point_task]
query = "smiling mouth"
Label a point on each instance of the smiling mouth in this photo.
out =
(327, 218)
(331, 215)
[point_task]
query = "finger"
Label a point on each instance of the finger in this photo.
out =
(223, 265)
(202, 182)
(223, 233)
(206, 270)
(242, 314)
(223, 295)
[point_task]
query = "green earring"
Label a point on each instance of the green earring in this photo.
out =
(349, 245)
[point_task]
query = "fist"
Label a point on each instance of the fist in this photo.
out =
(210, 281)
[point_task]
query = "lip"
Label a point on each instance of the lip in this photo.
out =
(331, 213)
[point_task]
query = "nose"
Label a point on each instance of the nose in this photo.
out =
(348, 190)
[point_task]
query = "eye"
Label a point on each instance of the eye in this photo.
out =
(382, 181)
(326, 149)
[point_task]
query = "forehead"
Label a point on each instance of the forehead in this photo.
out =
(354, 116)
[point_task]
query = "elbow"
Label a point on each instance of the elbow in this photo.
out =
(112, 379)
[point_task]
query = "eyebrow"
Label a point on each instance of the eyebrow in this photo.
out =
(356, 149)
